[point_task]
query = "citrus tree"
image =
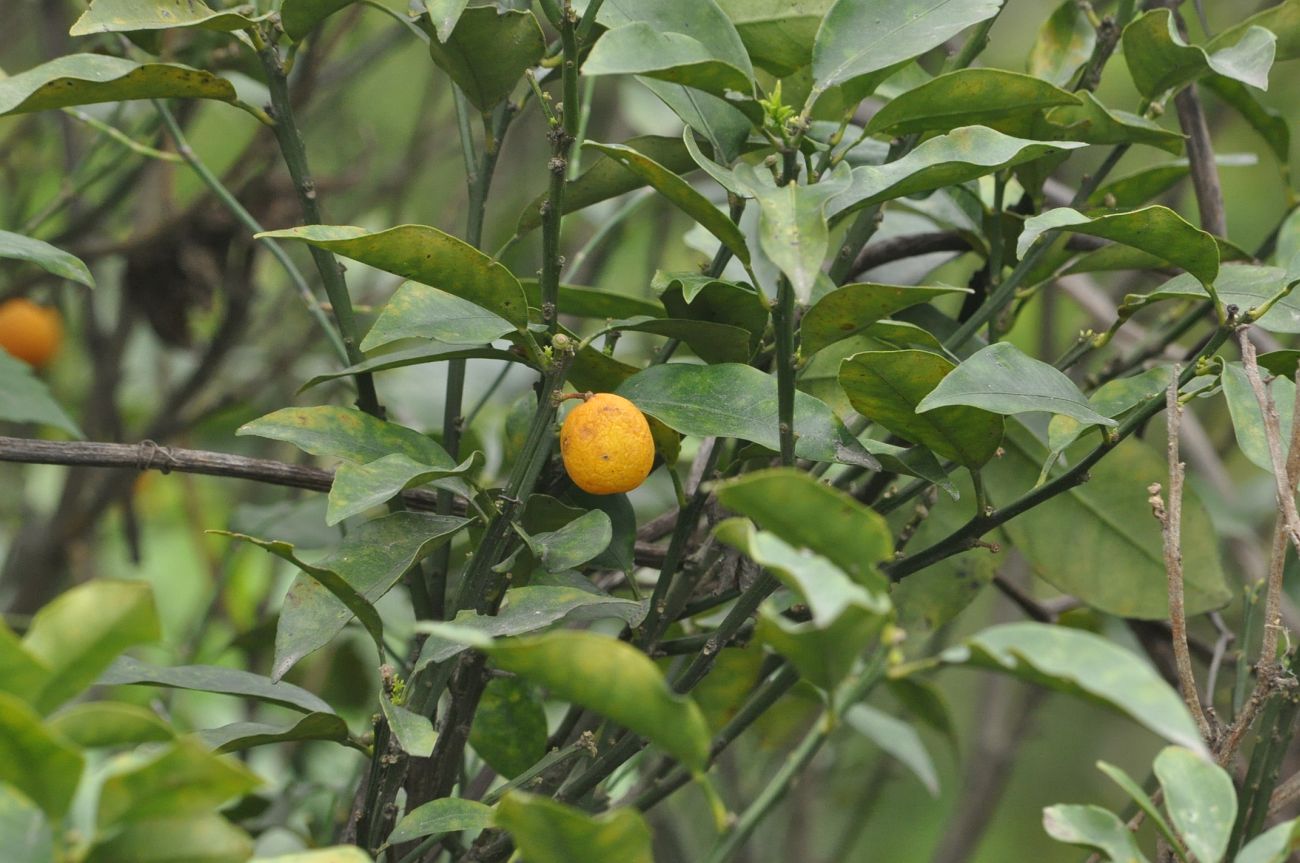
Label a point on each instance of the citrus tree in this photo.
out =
(610, 555)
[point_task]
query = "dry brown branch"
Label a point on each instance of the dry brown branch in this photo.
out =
(1285, 471)
(1170, 517)
(150, 456)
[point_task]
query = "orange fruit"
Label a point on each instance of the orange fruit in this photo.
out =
(606, 445)
(30, 332)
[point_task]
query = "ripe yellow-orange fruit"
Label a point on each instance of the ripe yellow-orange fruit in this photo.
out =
(606, 445)
(30, 332)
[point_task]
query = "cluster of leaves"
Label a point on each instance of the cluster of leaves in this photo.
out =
(873, 382)
(152, 786)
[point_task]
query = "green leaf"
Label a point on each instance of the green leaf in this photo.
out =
(853, 309)
(825, 588)
(1116, 559)
(1111, 399)
(414, 731)
(1200, 799)
(509, 730)
(1156, 230)
(608, 178)
(45, 256)
(426, 255)
(1141, 186)
(778, 34)
(967, 97)
(1271, 125)
(182, 779)
(810, 514)
(24, 398)
(825, 655)
(1064, 44)
(584, 302)
(344, 433)
(358, 487)
(945, 160)
(574, 544)
(85, 79)
(21, 674)
(1159, 60)
(792, 228)
(605, 675)
(488, 52)
(698, 297)
(99, 724)
(724, 126)
(1084, 665)
(897, 738)
(1274, 845)
(549, 832)
(27, 833)
(238, 736)
(444, 14)
(329, 579)
(417, 311)
(125, 16)
(711, 342)
(371, 558)
(300, 17)
(1094, 123)
(545, 513)
(1283, 363)
(911, 461)
(1141, 798)
(212, 678)
(446, 815)
(820, 376)
(39, 763)
(1282, 19)
(333, 854)
(859, 37)
(1092, 827)
(688, 42)
(78, 634)
(1245, 286)
(888, 387)
(207, 838)
(528, 609)
(1248, 419)
(1002, 379)
(731, 400)
(414, 357)
(678, 192)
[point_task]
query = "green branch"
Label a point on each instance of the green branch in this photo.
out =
(294, 152)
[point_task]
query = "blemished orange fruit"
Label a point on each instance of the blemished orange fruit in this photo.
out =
(606, 445)
(30, 332)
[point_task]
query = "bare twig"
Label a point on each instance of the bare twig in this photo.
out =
(1285, 473)
(1273, 433)
(1287, 792)
(150, 456)
(1170, 517)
